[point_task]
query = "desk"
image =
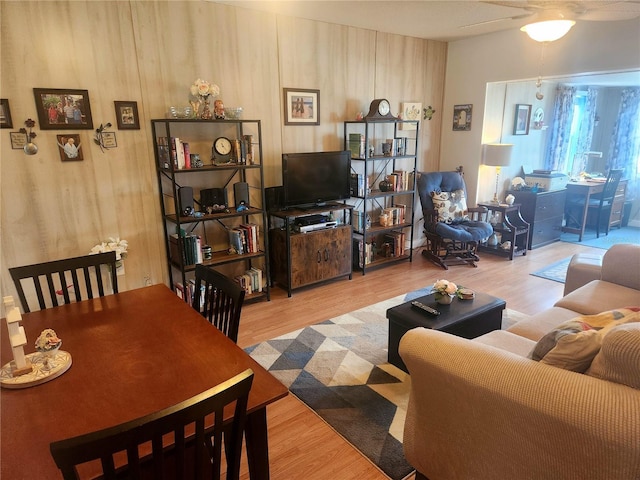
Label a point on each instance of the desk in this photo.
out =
(586, 189)
(134, 353)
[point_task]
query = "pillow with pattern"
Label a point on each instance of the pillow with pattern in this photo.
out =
(451, 206)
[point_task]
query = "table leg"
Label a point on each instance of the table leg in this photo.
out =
(257, 445)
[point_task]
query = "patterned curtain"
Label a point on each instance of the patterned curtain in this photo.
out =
(625, 141)
(585, 134)
(558, 145)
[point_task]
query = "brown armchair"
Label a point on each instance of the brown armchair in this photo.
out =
(453, 231)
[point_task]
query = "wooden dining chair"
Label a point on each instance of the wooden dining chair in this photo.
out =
(601, 205)
(197, 456)
(80, 275)
(219, 299)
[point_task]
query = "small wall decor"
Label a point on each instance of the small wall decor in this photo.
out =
(70, 147)
(127, 115)
(301, 106)
(30, 148)
(5, 114)
(410, 111)
(18, 139)
(105, 139)
(462, 117)
(62, 109)
(522, 118)
(428, 113)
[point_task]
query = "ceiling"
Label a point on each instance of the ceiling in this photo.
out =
(446, 20)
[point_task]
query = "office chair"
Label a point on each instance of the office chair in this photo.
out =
(452, 230)
(62, 276)
(219, 299)
(197, 456)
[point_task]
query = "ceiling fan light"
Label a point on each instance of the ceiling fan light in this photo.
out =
(549, 30)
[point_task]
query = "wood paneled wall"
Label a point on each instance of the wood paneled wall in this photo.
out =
(151, 52)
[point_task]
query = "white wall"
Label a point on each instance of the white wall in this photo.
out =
(511, 55)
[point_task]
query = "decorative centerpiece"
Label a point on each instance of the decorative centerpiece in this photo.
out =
(203, 91)
(48, 344)
(444, 291)
(114, 245)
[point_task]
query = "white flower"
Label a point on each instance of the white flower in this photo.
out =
(445, 287)
(112, 245)
(203, 88)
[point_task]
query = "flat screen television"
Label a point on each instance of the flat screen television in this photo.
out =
(314, 178)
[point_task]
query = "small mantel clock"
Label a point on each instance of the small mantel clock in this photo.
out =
(380, 109)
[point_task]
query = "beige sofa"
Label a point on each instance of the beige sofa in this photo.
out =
(482, 409)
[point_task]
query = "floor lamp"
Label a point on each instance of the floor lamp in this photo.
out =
(497, 155)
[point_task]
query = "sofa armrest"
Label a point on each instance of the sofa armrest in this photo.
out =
(479, 412)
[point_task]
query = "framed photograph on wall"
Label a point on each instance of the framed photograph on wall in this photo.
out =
(5, 114)
(18, 140)
(301, 106)
(127, 115)
(108, 140)
(69, 147)
(410, 111)
(522, 119)
(462, 117)
(62, 109)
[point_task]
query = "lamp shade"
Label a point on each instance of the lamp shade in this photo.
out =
(497, 154)
(550, 25)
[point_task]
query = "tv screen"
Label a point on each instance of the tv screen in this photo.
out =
(315, 177)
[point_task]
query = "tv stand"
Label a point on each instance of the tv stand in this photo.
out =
(315, 255)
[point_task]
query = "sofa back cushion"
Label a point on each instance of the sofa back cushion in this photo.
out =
(621, 265)
(619, 357)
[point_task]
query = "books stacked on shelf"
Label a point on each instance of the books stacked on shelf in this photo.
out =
(395, 215)
(185, 250)
(364, 252)
(358, 185)
(244, 238)
(357, 145)
(400, 180)
(396, 243)
(251, 281)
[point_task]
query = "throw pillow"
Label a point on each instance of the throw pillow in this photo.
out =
(619, 357)
(572, 346)
(451, 206)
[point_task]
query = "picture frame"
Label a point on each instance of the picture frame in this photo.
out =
(410, 111)
(108, 140)
(522, 119)
(462, 117)
(301, 106)
(18, 140)
(63, 109)
(127, 115)
(5, 114)
(70, 147)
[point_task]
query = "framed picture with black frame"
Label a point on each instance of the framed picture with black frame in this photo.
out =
(63, 109)
(522, 119)
(127, 115)
(5, 114)
(301, 106)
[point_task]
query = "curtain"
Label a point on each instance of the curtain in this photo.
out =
(585, 132)
(625, 141)
(558, 145)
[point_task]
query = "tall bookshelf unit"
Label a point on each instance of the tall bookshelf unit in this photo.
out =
(215, 225)
(382, 218)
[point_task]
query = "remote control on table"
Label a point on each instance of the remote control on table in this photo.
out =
(425, 308)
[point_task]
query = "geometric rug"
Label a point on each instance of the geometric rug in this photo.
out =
(339, 369)
(556, 271)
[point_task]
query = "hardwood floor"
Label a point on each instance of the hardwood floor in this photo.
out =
(301, 445)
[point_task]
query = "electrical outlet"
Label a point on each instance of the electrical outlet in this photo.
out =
(147, 279)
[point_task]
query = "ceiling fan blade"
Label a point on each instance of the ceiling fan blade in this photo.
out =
(611, 11)
(486, 22)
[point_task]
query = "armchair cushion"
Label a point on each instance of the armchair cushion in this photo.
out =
(451, 206)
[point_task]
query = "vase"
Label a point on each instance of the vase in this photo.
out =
(206, 108)
(444, 298)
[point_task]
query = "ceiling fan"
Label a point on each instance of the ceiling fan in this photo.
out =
(574, 10)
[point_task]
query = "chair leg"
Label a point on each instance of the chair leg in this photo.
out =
(420, 476)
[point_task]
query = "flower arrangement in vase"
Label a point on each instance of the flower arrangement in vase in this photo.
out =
(444, 291)
(203, 91)
(114, 245)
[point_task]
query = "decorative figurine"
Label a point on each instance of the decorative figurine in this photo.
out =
(218, 110)
(17, 338)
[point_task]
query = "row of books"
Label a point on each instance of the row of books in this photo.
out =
(359, 220)
(244, 238)
(396, 241)
(186, 249)
(392, 246)
(400, 180)
(394, 215)
(251, 281)
(176, 152)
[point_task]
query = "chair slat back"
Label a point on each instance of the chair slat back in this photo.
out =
(611, 185)
(219, 299)
(194, 456)
(62, 275)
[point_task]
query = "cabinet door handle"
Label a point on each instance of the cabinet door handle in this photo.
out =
(319, 256)
(326, 254)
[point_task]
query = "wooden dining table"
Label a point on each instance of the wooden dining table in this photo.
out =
(133, 353)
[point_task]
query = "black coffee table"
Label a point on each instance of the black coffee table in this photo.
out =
(464, 318)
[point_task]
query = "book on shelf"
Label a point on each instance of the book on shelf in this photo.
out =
(357, 145)
(164, 153)
(251, 280)
(187, 155)
(185, 250)
(357, 185)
